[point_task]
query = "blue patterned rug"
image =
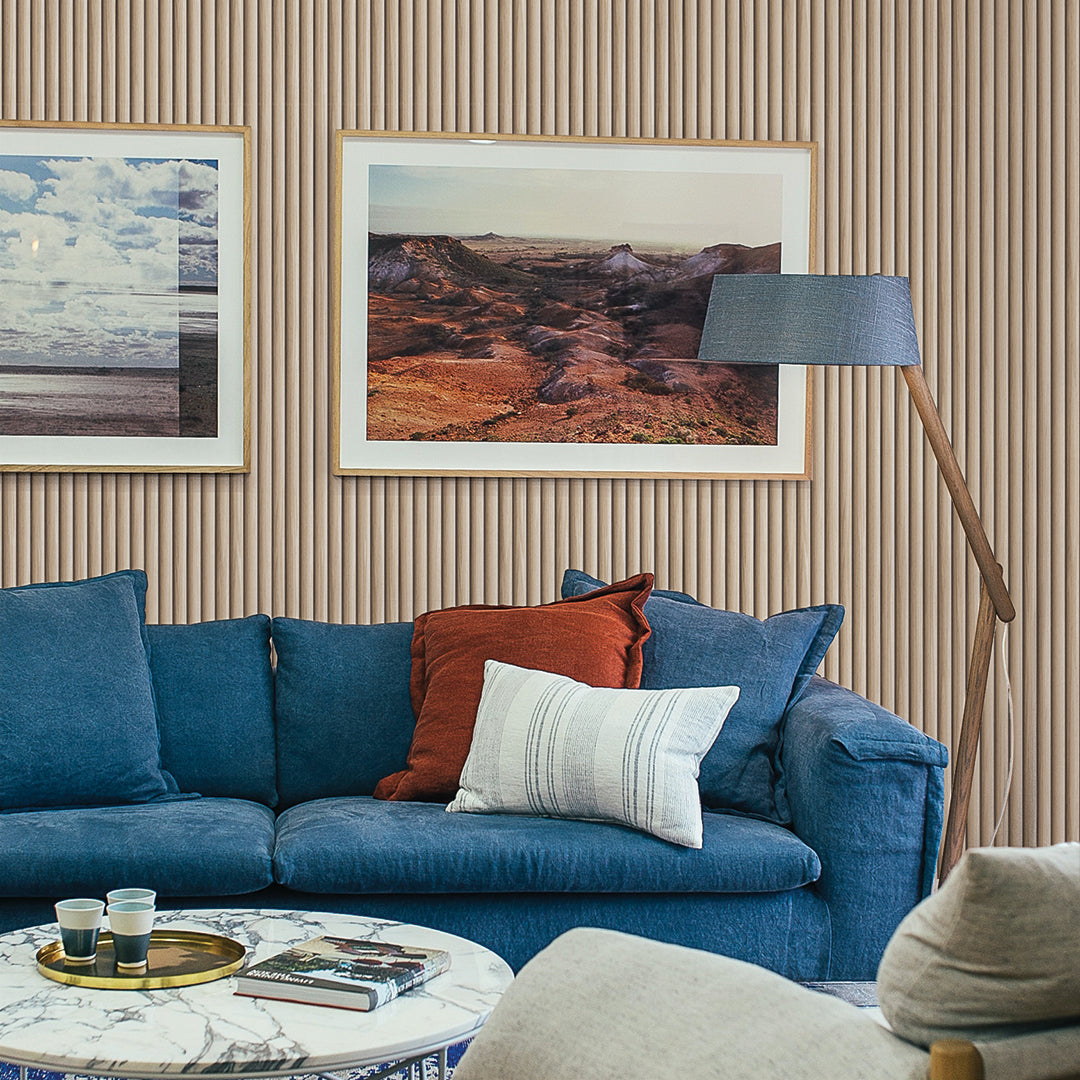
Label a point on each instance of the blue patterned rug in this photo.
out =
(453, 1056)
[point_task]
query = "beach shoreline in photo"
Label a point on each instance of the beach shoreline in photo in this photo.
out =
(89, 401)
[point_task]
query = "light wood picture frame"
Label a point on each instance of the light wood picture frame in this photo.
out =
(125, 267)
(531, 305)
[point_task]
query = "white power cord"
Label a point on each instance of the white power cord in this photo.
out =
(1012, 733)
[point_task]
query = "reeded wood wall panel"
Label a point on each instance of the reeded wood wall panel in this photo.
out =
(949, 147)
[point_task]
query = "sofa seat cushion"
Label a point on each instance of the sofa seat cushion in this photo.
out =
(207, 847)
(364, 845)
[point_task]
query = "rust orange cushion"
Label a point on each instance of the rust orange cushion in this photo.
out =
(595, 639)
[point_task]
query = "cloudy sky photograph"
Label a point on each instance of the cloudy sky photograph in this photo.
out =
(93, 252)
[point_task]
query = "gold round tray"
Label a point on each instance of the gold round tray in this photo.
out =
(175, 958)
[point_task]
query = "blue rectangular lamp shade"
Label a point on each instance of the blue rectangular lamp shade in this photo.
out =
(810, 319)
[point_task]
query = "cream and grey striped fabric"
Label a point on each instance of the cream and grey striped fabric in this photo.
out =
(547, 745)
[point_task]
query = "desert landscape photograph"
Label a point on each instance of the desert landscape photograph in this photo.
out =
(561, 306)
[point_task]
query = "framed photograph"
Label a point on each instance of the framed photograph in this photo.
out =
(511, 305)
(125, 284)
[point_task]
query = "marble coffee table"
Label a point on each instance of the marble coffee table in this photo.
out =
(208, 1031)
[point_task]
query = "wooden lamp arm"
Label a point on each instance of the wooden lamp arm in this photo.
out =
(961, 497)
(994, 603)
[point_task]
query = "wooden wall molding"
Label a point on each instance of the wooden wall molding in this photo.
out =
(949, 140)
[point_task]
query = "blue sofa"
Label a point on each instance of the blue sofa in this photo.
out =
(285, 760)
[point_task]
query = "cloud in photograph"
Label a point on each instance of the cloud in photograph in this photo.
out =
(92, 251)
(678, 210)
(16, 186)
(197, 213)
(198, 192)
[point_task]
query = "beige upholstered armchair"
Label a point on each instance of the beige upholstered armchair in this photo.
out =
(982, 980)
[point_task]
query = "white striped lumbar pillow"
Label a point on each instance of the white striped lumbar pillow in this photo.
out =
(547, 745)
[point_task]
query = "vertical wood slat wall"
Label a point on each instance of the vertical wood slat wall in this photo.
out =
(949, 142)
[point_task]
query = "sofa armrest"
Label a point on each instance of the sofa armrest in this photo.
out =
(867, 793)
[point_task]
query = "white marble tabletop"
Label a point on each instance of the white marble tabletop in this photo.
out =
(207, 1030)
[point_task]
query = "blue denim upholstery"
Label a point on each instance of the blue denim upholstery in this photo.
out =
(344, 718)
(813, 900)
(867, 793)
(215, 697)
(77, 720)
(771, 661)
(363, 845)
(180, 848)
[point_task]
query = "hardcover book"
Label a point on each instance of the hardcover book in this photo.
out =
(342, 972)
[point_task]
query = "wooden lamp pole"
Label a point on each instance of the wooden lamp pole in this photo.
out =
(994, 603)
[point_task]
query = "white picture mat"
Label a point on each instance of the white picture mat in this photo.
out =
(227, 449)
(358, 454)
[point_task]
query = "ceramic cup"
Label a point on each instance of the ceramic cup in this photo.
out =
(144, 896)
(131, 922)
(80, 924)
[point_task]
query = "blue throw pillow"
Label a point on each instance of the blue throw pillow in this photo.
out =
(78, 726)
(771, 662)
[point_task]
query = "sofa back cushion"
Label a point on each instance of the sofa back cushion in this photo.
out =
(342, 706)
(77, 719)
(215, 694)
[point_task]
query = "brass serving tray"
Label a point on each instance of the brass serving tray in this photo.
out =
(175, 958)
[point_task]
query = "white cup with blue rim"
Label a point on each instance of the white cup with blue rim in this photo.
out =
(80, 925)
(131, 922)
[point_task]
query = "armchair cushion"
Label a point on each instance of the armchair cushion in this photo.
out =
(597, 1004)
(1050, 1054)
(994, 951)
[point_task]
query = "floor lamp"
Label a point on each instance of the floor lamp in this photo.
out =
(867, 321)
